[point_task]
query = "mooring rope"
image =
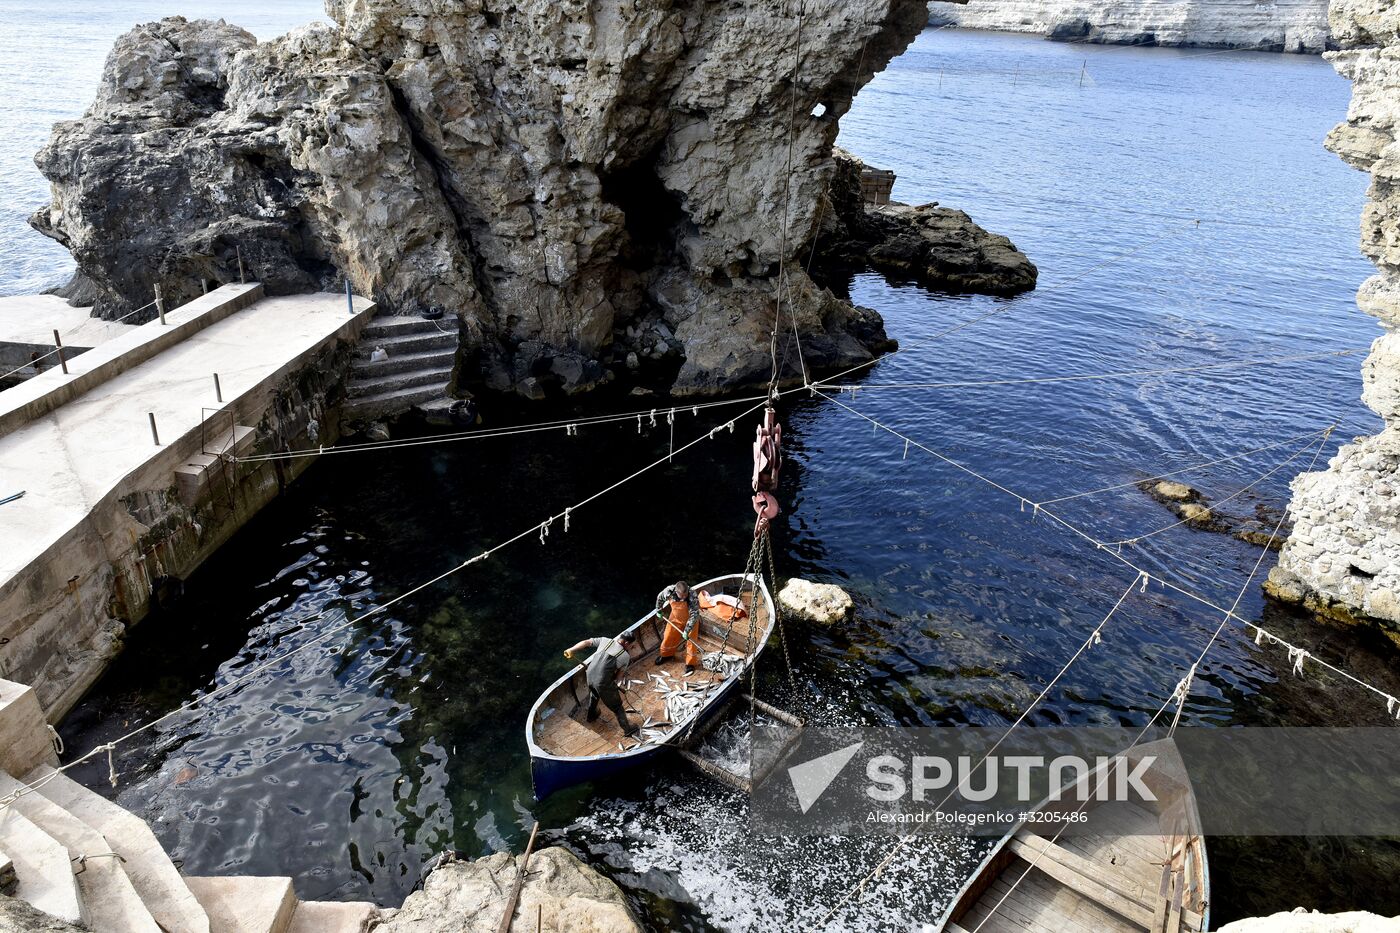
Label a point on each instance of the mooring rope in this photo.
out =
(1211, 507)
(1088, 377)
(1103, 547)
(539, 528)
(1177, 696)
(1142, 579)
(569, 426)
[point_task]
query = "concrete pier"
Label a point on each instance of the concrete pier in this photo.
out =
(126, 486)
(27, 323)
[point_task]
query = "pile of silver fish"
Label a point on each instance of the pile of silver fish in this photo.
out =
(723, 663)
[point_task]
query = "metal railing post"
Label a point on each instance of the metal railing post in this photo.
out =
(238, 251)
(218, 389)
(349, 297)
(160, 304)
(155, 436)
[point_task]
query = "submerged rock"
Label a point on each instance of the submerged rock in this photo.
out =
(819, 603)
(1194, 509)
(554, 173)
(470, 897)
(1343, 558)
(935, 246)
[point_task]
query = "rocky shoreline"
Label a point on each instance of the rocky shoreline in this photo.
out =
(583, 199)
(938, 247)
(1343, 558)
(1282, 26)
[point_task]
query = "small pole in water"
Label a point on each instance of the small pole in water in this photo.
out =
(940, 79)
(160, 304)
(238, 251)
(154, 436)
(1016, 79)
(218, 389)
(1082, 69)
(349, 296)
(58, 345)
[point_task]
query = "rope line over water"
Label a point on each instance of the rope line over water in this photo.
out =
(1173, 230)
(1121, 374)
(1177, 696)
(569, 426)
(1143, 577)
(540, 528)
(1107, 549)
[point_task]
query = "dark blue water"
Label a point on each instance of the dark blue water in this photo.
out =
(402, 735)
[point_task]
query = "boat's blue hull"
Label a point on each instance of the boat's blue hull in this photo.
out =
(550, 774)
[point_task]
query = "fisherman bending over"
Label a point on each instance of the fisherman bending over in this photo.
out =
(609, 659)
(685, 612)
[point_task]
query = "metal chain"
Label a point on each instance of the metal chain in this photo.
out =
(777, 611)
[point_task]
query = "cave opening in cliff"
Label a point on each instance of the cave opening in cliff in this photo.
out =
(651, 212)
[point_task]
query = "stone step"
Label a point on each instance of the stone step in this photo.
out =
(146, 863)
(110, 902)
(42, 869)
(384, 404)
(407, 343)
(377, 385)
(246, 904)
(395, 325)
(332, 917)
(405, 362)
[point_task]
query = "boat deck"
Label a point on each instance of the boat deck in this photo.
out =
(566, 732)
(1117, 879)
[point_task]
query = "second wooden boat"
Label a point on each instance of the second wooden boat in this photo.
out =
(1127, 869)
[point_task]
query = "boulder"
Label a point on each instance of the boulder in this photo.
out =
(1170, 491)
(470, 897)
(936, 246)
(819, 603)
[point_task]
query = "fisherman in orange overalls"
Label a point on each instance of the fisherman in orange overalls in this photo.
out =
(680, 624)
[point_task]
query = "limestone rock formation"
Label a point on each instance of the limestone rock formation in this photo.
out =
(819, 603)
(1277, 26)
(936, 246)
(1301, 921)
(574, 181)
(470, 897)
(1343, 558)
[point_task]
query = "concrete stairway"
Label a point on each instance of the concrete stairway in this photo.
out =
(419, 367)
(83, 858)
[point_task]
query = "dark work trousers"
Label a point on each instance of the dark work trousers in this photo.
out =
(612, 699)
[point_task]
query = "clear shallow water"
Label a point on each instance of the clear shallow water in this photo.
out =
(51, 57)
(402, 735)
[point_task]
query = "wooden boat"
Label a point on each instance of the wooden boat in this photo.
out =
(566, 749)
(1126, 869)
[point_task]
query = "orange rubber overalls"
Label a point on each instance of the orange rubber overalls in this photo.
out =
(679, 621)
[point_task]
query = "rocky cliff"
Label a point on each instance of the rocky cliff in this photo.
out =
(1343, 557)
(1277, 26)
(566, 178)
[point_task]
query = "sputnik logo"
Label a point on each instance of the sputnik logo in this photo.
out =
(811, 778)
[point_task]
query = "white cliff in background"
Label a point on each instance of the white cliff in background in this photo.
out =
(1343, 558)
(1276, 26)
